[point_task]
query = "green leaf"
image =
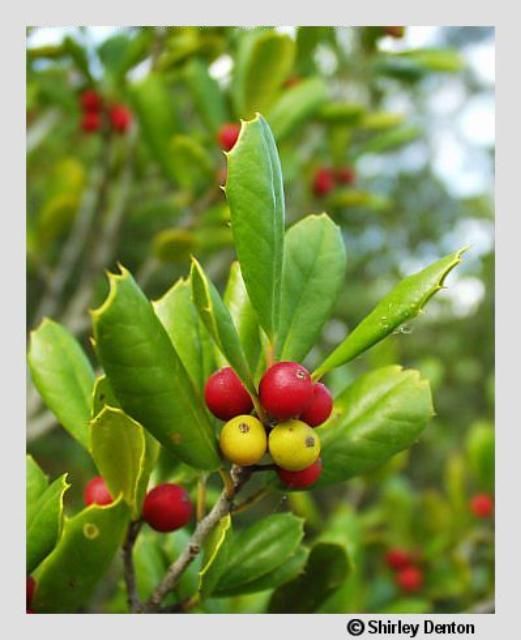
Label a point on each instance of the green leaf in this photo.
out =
(441, 60)
(326, 570)
(264, 60)
(403, 303)
(44, 522)
(260, 549)
(102, 396)
(63, 376)
(118, 449)
(295, 106)
(255, 194)
(389, 140)
(147, 375)
(193, 164)
(87, 546)
(219, 323)
(480, 451)
(313, 274)
(380, 414)
(149, 562)
(243, 315)
(36, 483)
(190, 338)
(215, 556)
(208, 97)
(341, 113)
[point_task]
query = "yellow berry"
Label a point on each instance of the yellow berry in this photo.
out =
(294, 445)
(243, 440)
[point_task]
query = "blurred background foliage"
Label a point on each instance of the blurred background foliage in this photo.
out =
(409, 112)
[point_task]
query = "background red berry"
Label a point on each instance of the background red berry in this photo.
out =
(320, 407)
(227, 135)
(225, 395)
(398, 559)
(96, 492)
(410, 579)
(301, 479)
(167, 507)
(345, 175)
(482, 505)
(120, 118)
(90, 100)
(286, 390)
(29, 592)
(323, 182)
(90, 121)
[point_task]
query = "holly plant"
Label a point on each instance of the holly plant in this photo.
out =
(202, 405)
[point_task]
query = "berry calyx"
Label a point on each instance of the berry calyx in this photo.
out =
(90, 100)
(167, 507)
(301, 479)
(243, 440)
(96, 492)
(29, 592)
(345, 175)
(409, 579)
(323, 182)
(227, 135)
(90, 121)
(294, 445)
(320, 407)
(398, 559)
(225, 395)
(482, 505)
(286, 390)
(120, 118)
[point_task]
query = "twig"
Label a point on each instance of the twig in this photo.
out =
(183, 606)
(223, 506)
(128, 563)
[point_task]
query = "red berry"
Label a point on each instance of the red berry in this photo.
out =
(29, 591)
(394, 32)
(398, 559)
(167, 507)
(323, 182)
(482, 505)
(90, 100)
(227, 135)
(320, 408)
(96, 492)
(91, 121)
(301, 479)
(225, 395)
(345, 175)
(120, 118)
(409, 579)
(286, 390)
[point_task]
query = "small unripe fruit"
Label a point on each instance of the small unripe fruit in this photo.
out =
(90, 121)
(167, 507)
(301, 479)
(398, 559)
(345, 175)
(394, 32)
(409, 579)
(243, 440)
(96, 492)
(227, 135)
(294, 445)
(120, 118)
(482, 505)
(225, 395)
(286, 390)
(323, 182)
(320, 407)
(29, 591)
(90, 100)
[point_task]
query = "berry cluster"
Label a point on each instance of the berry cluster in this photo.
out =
(482, 505)
(327, 178)
(91, 103)
(293, 404)
(408, 575)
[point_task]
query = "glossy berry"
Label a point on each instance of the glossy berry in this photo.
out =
(320, 407)
(225, 395)
(227, 135)
(167, 507)
(243, 440)
(345, 175)
(398, 559)
(91, 121)
(301, 479)
(96, 492)
(120, 118)
(286, 390)
(409, 579)
(394, 32)
(90, 100)
(482, 505)
(323, 182)
(294, 445)
(29, 592)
